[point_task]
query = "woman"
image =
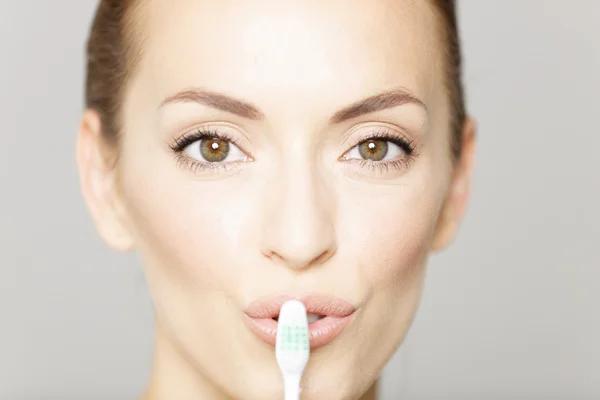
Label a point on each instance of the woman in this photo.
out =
(258, 151)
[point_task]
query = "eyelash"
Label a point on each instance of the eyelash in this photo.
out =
(385, 166)
(183, 142)
(195, 166)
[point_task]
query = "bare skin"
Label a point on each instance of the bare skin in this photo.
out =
(303, 194)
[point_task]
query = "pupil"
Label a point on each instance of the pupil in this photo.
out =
(374, 150)
(214, 150)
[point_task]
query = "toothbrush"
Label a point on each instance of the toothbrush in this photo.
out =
(292, 346)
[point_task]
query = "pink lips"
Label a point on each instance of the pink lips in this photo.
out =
(336, 314)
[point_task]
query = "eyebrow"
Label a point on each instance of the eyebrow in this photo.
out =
(216, 100)
(378, 102)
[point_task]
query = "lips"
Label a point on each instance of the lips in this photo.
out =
(332, 315)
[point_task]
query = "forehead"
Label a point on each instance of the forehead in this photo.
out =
(313, 50)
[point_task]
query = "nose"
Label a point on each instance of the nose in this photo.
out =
(298, 220)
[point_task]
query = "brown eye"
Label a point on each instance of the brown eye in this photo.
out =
(373, 150)
(214, 149)
(379, 150)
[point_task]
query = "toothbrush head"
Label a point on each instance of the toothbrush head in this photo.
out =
(292, 347)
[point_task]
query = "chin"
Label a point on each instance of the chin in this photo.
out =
(321, 384)
(322, 387)
(347, 382)
(328, 376)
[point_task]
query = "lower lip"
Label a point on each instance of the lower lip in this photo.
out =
(321, 332)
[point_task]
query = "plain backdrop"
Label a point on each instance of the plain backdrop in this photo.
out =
(511, 311)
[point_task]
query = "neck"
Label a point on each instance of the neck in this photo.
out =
(173, 377)
(372, 393)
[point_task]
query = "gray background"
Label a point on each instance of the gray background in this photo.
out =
(509, 312)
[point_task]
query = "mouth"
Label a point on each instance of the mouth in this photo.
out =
(312, 318)
(327, 318)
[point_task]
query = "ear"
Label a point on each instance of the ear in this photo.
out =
(97, 176)
(459, 191)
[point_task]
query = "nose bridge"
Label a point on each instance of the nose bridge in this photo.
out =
(298, 219)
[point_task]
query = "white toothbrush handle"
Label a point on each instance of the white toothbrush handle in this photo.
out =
(291, 383)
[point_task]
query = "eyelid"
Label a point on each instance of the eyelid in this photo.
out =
(197, 132)
(371, 126)
(382, 133)
(218, 125)
(182, 143)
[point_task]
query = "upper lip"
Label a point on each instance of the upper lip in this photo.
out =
(325, 305)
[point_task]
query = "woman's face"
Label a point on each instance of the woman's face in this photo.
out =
(294, 199)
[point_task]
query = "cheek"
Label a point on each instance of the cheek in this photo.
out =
(188, 237)
(181, 231)
(392, 233)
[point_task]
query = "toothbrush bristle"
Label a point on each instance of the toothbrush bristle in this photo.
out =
(294, 337)
(293, 347)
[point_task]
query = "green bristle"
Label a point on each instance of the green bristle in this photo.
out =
(295, 338)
